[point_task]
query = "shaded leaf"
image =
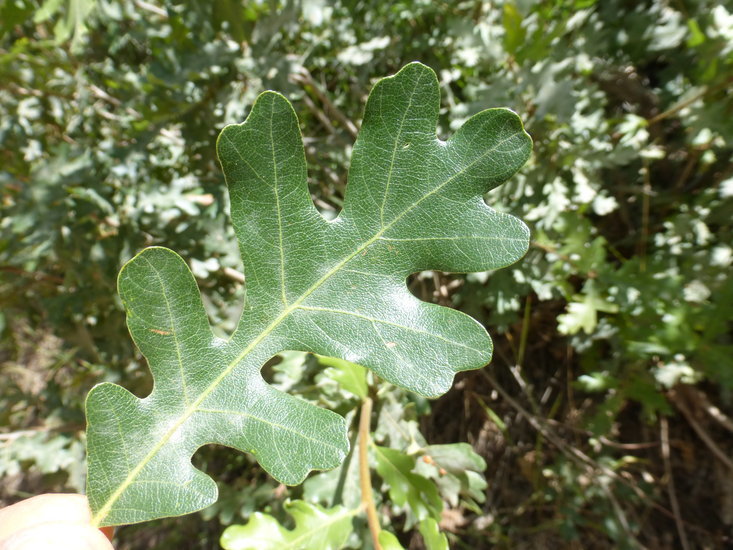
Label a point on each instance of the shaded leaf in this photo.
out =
(325, 487)
(456, 457)
(514, 34)
(449, 467)
(73, 24)
(415, 493)
(397, 426)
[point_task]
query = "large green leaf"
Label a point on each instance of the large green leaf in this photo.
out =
(336, 288)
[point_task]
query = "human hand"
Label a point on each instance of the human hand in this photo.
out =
(53, 521)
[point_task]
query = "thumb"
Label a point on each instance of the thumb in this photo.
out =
(57, 536)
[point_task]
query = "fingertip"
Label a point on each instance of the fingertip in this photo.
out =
(57, 536)
(58, 507)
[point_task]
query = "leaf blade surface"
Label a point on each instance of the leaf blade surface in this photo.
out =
(334, 288)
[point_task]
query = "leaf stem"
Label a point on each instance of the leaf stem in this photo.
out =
(365, 480)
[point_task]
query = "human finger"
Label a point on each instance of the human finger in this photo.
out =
(53, 510)
(57, 536)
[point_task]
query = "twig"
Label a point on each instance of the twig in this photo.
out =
(646, 193)
(687, 102)
(664, 437)
(320, 115)
(525, 330)
(106, 114)
(15, 435)
(579, 457)
(602, 438)
(101, 94)
(627, 446)
(689, 165)
(678, 107)
(441, 290)
(701, 433)
(304, 78)
(549, 434)
(365, 480)
(9, 437)
(233, 274)
(323, 205)
(714, 412)
(147, 6)
(35, 275)
(522, 383)
(574, 454)
(569, 377)
(620, 513)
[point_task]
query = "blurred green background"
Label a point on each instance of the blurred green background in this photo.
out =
(605, 418)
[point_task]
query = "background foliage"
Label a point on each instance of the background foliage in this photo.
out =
(604, 420)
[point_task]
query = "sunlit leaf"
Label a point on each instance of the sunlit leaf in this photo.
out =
(335, 288)
(388, 541)
(315, 527)
(350, 376)
(434, 539)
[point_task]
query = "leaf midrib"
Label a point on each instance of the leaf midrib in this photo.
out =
(102, 513)
(265, 421)
(397, 140)
(389, 323)
(276, 190)
(174, 333)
